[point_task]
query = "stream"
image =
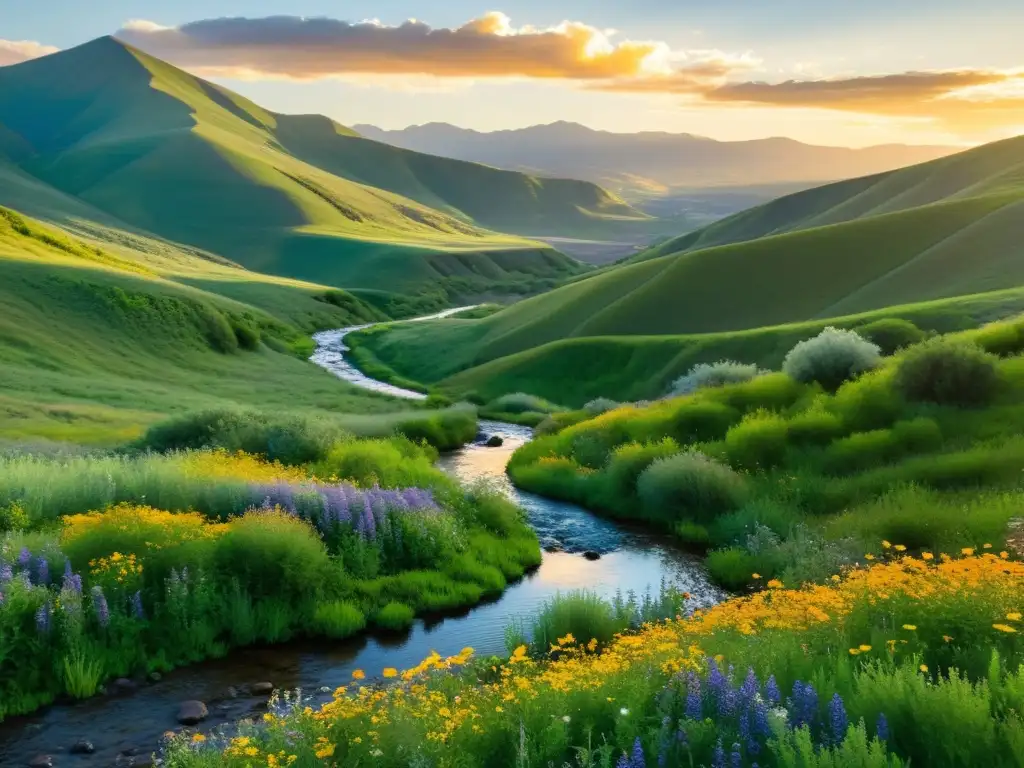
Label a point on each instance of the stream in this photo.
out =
(126, 724)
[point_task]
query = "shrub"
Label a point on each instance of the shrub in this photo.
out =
(521, 402)
(600, 405)
(891, 334)
(338, 619)
(445, 430)
(392, 463)
(870, 402)
(628, 461)
(581, 613)
(815, 426)
(831, 358)
(733, 567)
(13, 517)
(247, 336)
(689, 486)
(1003, 339)
(863, 450)
(396, 616)
(947, 372)
(705, 375)
(758, 442)
(699, 421)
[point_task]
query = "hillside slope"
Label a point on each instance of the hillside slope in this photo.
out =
(108, 128)
(951, 228)
(97, 342)
(637, 162)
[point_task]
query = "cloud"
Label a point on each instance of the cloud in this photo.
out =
(308, 48)
(17, 51)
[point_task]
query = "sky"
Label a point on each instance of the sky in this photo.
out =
(832, 72)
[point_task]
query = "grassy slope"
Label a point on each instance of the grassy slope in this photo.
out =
(95, 343)
(154, 148)
(941, 230)
(573, 371)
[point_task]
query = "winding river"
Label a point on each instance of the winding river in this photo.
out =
(132, 721)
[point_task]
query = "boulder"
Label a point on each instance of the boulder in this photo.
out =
(192, 712)
(494, 441)
(82, 747)
(41, 761)
(592, 555)
(261, 689)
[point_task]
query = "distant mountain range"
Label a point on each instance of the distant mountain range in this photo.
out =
(107, 135)
(651, 161)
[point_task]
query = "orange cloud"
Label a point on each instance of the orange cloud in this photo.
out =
(307, 48)
(17, 51)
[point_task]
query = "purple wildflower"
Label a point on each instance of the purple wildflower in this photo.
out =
(24, 558)
(759, 724)
(882, 727)
(771, 691)
(42, 571)
(100, 604)
(140, 614)
(837, 718)
(72, 581)
(6, 573)
(638, 755)
(43, 618)
(804, 704)
(718, 757)
(736, 758)
(623, 761)
(694, 710)
(748, 690)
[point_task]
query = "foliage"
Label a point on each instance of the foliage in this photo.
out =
(831, 358)
(689, 486)
(714, 375)
(891, 334)
(948, 373)
(521, 402)
(758, 442)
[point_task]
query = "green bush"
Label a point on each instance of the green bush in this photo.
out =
(864, 450)
(689, 486)
(699, 421)
(760, 441)
(396, 616)
(338, 619)
(870, 402)
(1003, 339)
(13, 517)
(521, 402)
(832, 357)
(445, 430)
(288, 439)
(892, 334)
(628, 462)
(391, 463)
(815, 426)
(704, 375)
(600, 405)
(947, 372)
(733, 567)
(581, 613)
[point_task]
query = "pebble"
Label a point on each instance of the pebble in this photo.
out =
(192, 712)
(261, 689)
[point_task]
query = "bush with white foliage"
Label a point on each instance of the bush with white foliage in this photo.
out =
(831, 358)
(600, 405)
(717, 374)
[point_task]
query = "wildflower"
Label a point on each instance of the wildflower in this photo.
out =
(99, 603)
(43, 618)
(736, 758)
(986, 545)
(198, 738)
(886, 544)
(854, 651)
(1013, 616)
(499, 709)
(624, 712)
(947, 638)
(774, 584)
(24, 558)
(42, 571)
(358, 674)
(967, 551)
(927, 556)
(837, 718)
(1004, 628)
(140, 614)
(900, 548)
(882, 727)
(390, 672)
(910, 627)
(755, 576)
(835, 578)
(718, 757)
(1004, 555)
(869, 556)
(6, 573)
(771, 691)
(567, 639)
(693, 701)
(924, 668)
(865, 648)
(566, 718)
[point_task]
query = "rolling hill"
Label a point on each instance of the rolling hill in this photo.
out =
(104, 133)
(96, 342)
(651, 162)
(945, 229)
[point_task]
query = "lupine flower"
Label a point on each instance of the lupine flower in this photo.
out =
(72, 581)
(694, 710)
(43, 571)
(882, 727)
(804, 704)
(837, 718)
(718, 757)
(24, 558)
(6, 573)
(100, 604)
(43, 618)
(748, 690)
(736, 757)
(771, 691)
(137, 606)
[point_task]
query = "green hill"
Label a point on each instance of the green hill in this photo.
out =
(948, 228)
(104, 132)
(97, 342)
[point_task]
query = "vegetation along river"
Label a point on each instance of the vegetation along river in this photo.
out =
(126, 725)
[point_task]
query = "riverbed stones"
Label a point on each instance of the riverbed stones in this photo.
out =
(261, 689)
(192, 712)
(592, 555)
(82, 747)
(494, 441)
(41, 761)
(124, 685)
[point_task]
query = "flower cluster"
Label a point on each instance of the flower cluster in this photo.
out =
(117, 566)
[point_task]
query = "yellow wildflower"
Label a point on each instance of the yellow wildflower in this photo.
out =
(390, 672)
(358, 674)
(910, 627)
(1013, 616)
(886, 544)
(900, 548)
(1004, 628)
(923, 668)
(865, 648)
